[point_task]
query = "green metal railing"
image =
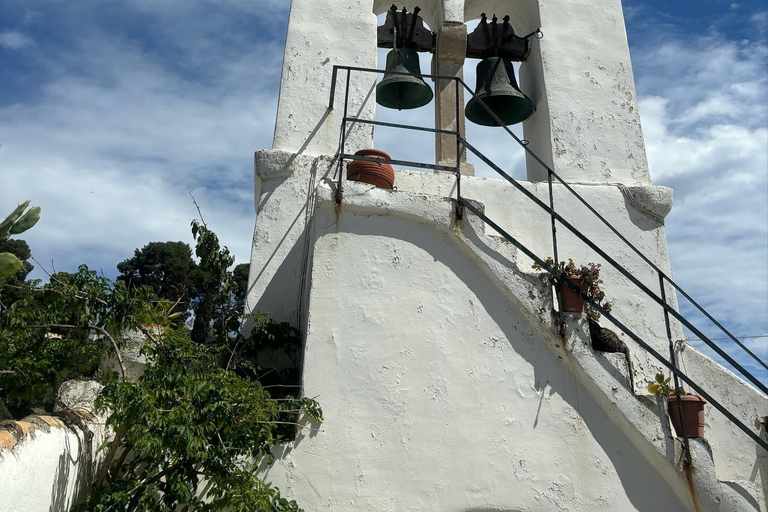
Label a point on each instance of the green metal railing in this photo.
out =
(557, 220)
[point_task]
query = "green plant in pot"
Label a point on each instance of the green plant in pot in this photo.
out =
(692, 407)
(586, 278)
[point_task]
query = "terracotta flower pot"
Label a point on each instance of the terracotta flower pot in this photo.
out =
(569, 299)
(379, 174)
(693, 415)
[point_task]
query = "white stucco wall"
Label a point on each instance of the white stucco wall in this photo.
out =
(438, 392)
(321, 35)
(441, 383)
(737, 459)
(745, 469)
(280, 247)
(586, 73)
(45, 468)
(531, 225)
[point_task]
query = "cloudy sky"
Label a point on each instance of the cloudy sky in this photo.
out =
(112, 111)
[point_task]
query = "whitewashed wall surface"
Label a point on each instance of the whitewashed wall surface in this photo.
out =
(46, 460)
(447, 379)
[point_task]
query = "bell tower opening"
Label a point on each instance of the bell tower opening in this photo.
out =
(403, 100)
(486, 136)
(440, 46)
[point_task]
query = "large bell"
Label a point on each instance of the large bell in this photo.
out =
(403, 92)
(497, 88)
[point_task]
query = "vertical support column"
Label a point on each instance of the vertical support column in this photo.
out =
(587, 123)
(449, 61)
(321, 35)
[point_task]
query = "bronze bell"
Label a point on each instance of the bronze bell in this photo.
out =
(403, 92)
(497, 88)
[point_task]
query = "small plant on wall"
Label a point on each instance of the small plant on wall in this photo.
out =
(692, 407)
(587, 279)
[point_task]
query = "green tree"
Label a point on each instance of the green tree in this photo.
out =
(63, 330)
(14, 269)
(199, 412)
(190, 432)
(168, 269)
(240, 274)
(20, 220)
(14, 289)
(191, 419)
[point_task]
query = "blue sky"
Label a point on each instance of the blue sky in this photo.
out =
(110, 112)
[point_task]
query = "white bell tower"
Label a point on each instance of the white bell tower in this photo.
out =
(447, 378)
(586, 126)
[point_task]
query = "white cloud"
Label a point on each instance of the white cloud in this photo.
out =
(705, 121)
(15, 40)
(117, 138)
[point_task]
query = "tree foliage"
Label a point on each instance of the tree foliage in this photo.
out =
(63, 330)
(168, 269)
(195, 426)
(191, 431)
(20, 220)
(194, 432)
(240, 274)
(14, 288)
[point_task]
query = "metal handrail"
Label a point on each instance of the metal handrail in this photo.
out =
(462, 203)
(468, 205)
(552, 174)
(626, 273)
(610, 226)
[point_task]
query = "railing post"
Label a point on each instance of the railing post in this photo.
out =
(333, 87)
(552, 215)
(554, 233)
(343, 139)
(673, 360)
(459, 207)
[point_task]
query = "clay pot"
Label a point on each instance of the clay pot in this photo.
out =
(379, 174)
(693, 415)
(569, 300)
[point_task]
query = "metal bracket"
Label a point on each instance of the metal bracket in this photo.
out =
(405, 30)
(488, 41)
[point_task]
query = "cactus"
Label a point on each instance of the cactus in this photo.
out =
(9, 266)
(7, 224)
(28, 220)
(17, 222)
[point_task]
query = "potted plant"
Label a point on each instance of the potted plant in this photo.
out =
(587, 279)
(692, 407)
